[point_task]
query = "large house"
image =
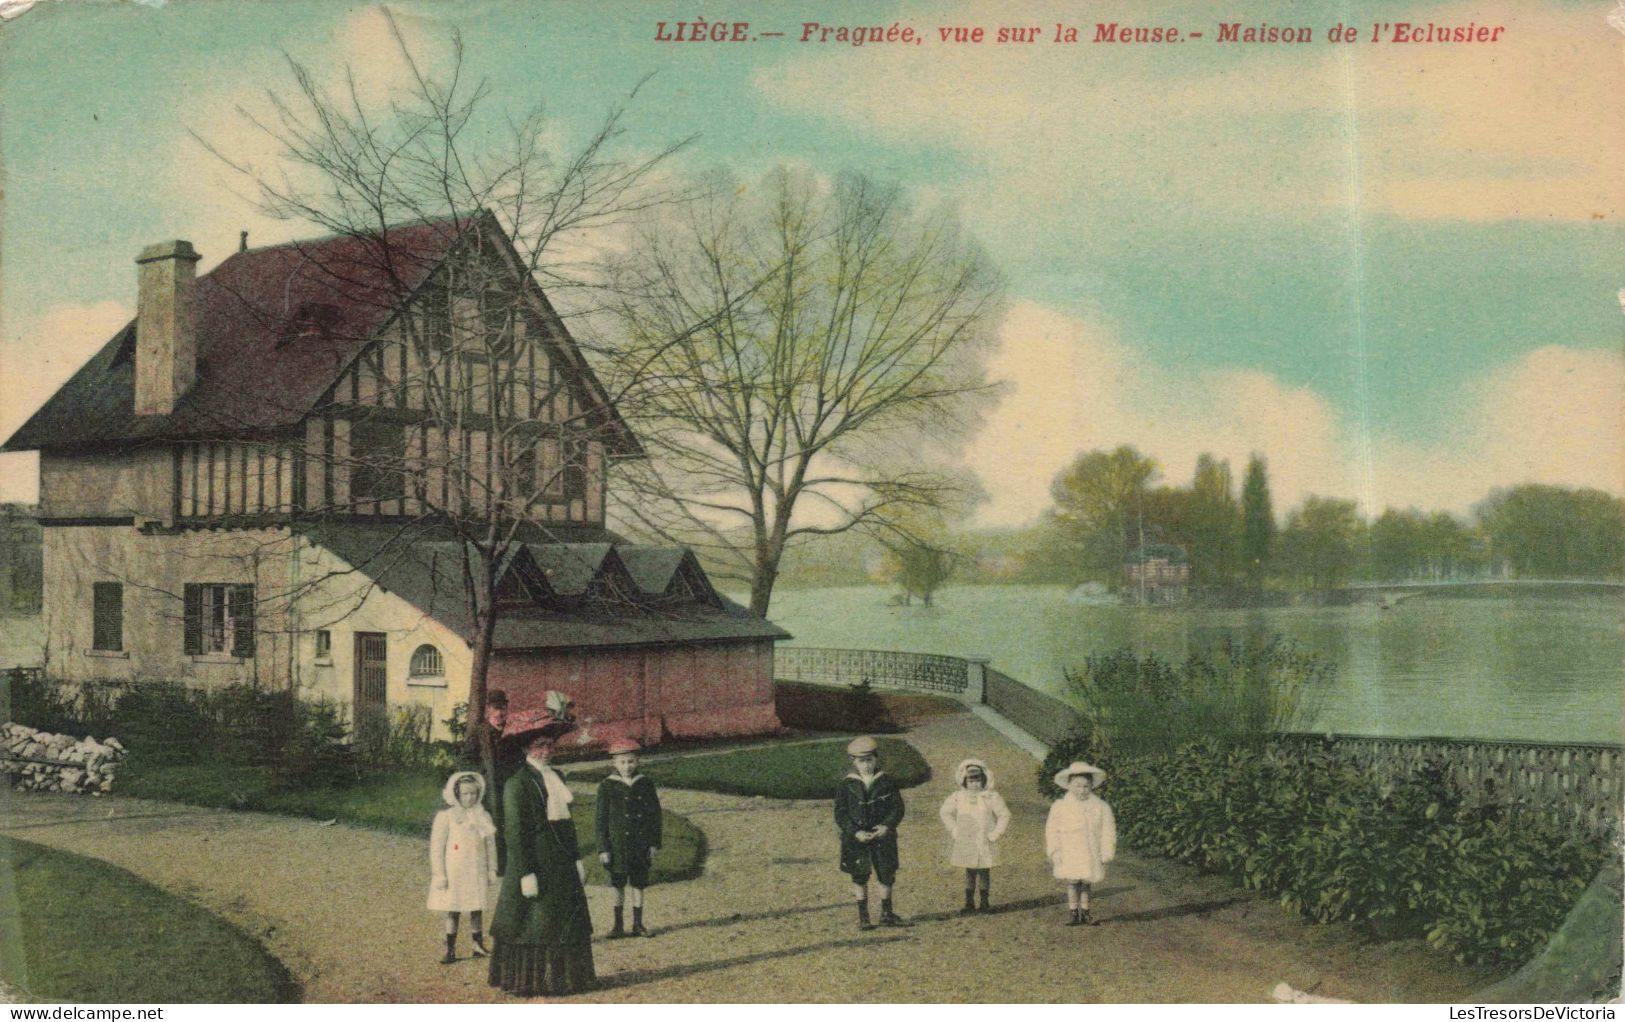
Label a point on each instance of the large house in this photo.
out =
(255, 481)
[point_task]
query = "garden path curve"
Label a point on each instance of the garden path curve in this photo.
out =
(769, 919)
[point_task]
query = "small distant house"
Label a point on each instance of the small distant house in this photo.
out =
(213, 510)
(1157, 573)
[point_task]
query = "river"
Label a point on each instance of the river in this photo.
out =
(1540, 668)
(1533, 667)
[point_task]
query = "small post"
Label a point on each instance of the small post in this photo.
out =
(976, 678)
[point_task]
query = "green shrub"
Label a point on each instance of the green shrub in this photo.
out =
(1408, 856)
(1080, 744)
(1142, 703)
(165, 721)
(28, 697)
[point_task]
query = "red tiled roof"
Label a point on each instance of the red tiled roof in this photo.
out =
(247, 379)
(252, 375)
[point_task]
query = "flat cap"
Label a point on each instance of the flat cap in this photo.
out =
(864, 746)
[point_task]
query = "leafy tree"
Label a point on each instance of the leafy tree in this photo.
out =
(1101, 499)
(1321, 543)
(1399, 545)
(1257, 522)
(1554, 531)
(1215, 525)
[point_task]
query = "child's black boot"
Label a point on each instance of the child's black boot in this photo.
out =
(451, 949)
(887, 916)
(618, 931)
(1085, 919)
(1076, 918)
(480, 950)
(637, 924)
(985, 907)
(970, 902)
(863, 915)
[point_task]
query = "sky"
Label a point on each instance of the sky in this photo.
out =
(1393, 269)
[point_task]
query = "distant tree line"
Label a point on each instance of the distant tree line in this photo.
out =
(1107, 504)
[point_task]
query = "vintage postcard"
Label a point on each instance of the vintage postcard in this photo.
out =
(811, 502)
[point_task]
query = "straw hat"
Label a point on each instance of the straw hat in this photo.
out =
(1097, 776)
(624, 745)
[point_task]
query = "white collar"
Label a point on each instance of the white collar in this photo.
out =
(854, 775)
(628, 781)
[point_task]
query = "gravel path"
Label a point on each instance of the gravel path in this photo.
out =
(769, 920)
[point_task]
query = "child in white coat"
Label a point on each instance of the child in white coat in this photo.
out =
(976, 817)
(1080, 837)
(462, 859)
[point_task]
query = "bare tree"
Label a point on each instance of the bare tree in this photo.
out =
(468, 414)
(813, 355)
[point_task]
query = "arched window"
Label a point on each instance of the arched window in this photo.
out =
(426, 661)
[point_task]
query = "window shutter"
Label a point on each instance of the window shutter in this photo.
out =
(107, 631)
(194, 619)
(242, 621)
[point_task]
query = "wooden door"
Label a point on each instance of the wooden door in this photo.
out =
(371, 674)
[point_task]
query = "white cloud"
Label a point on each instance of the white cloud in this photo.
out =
(363, 46)
(1476, 131)
(1553, 417)
(37, 357)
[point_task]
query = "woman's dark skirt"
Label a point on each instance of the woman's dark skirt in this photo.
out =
(534, 970)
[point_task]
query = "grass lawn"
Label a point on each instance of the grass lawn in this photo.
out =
(87, 931)
(807, 770)
(401, 802)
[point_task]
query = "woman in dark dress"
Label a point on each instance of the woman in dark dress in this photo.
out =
(541, 929)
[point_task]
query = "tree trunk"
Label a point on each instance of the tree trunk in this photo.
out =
(761, 587)
(478, 740)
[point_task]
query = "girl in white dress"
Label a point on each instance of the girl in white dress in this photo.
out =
(462, 859)
(975, 816)
(1080, 837)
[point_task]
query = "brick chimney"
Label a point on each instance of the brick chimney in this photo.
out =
(165, 326)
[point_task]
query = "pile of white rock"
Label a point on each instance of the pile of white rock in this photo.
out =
(41, 761)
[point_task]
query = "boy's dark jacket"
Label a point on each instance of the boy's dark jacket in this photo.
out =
(859, 808)
(627, 822)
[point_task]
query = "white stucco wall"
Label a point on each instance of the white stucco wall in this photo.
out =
(344, 602)
(299, 590)
(135, 482)
(153, 569)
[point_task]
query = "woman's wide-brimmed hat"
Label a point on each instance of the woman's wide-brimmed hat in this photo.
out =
(1097, 776)
(554, 720)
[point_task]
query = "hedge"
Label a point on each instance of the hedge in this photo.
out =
(1409, 856)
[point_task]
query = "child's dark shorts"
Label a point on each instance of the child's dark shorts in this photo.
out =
(633, 870)
(883, 860)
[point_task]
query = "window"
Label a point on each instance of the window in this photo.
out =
(324, 645)
(377, 461)
(107, 628)
(426, 661)
(497, 313)
(219, 619)
(436, 319)
(575, 467)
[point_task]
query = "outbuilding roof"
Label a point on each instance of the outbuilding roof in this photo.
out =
(590, 612)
